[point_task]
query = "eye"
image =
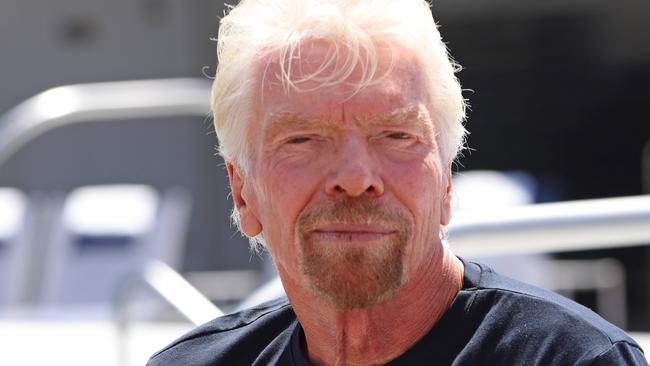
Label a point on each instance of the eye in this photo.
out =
(298, 140)
(399, 136)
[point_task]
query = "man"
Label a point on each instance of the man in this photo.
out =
(339, 121)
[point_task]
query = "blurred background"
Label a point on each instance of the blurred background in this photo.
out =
(108, 191)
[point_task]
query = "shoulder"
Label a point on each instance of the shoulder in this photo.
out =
(233, 339)
(535, 323)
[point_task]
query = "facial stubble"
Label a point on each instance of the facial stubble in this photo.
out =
(352, 276)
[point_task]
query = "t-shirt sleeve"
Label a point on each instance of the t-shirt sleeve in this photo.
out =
(621, 353)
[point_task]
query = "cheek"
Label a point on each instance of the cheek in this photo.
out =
(419, 187)
(288, 189)
(419, 183)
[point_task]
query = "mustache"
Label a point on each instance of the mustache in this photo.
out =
(353, 210)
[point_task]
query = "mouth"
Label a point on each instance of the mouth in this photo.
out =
(352, 233)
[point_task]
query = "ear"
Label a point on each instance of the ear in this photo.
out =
(248, 220)
(445, 204)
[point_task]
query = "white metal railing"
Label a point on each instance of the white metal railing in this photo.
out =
(553, 227)
(94, 102)
(180, 293)
(170, 286)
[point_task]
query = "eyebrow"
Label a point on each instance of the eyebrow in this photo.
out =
(405, 116)
(409, 115)
(278, 123)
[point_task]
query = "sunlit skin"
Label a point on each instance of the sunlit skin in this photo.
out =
(315, 147)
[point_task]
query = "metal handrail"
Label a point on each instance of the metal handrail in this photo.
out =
(170, 286)
(553, 227)
(180, 293)
(94, 102)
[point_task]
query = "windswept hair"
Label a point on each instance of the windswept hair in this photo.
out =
(357, 32)
(356, 29)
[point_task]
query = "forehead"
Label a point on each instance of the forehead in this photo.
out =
(399, 86)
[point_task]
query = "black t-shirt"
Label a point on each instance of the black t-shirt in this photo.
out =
(493, 320)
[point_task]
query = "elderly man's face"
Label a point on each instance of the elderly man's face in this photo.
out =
(349, 193)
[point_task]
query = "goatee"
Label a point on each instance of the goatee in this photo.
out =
(352, 276)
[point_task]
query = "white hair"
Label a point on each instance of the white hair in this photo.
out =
(358, 29)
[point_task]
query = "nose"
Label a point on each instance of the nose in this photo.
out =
(354, 170)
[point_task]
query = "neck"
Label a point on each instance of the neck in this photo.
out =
(378, 334)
